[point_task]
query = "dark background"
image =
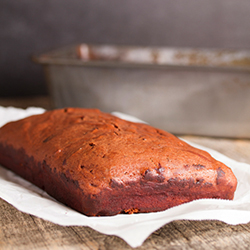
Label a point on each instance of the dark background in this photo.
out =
(32, 27)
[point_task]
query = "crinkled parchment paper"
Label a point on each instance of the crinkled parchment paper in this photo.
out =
(135, 228)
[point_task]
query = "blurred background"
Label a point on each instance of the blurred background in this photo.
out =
(32, 27)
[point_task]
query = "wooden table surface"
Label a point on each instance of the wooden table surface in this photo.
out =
(23, 231)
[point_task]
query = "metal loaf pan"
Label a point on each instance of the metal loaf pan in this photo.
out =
(183, 91)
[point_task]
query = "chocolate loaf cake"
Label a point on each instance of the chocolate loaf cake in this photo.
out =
(99, 165)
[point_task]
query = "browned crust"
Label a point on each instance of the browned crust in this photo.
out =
(112, 166)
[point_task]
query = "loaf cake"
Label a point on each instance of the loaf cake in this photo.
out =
(99, 164)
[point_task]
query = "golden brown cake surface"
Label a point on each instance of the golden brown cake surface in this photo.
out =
(102, 165)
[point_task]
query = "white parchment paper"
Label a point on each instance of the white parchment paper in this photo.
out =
(135, 228)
